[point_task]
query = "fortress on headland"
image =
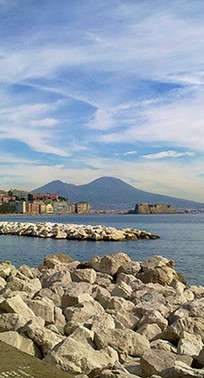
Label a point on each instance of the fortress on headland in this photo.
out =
(148, 208)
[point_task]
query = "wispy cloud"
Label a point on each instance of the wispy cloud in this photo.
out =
(167, 154)
(127, 153)
(82, 83)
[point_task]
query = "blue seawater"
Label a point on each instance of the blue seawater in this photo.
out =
(181, 239)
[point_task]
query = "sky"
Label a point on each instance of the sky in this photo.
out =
(93, 88)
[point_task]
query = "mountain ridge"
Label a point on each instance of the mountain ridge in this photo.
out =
(110, 193)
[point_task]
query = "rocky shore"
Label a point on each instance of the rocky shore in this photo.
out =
(105, 318)
(73, 231)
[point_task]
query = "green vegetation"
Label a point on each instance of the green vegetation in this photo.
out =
(7, 209)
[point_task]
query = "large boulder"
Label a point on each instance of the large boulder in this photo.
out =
(78, 356)
(156, 361)
(189, 344)
(51, 276)
(158, 269)
(82, 312)
(21, 342)
(43, 337)
(110, 264)
(12, 322)
(125, 341)
(174, 332)
(43, 307)
(6, 268)
(51, 261)
(16, 305)
(83, 275)
(181, 370)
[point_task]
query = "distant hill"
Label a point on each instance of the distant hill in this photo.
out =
(108, 193)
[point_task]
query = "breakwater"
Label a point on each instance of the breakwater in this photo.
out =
(73, 231)
(106, 317)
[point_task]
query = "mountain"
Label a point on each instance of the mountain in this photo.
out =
(111, 193)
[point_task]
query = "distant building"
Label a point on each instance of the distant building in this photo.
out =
(62, 207)
(147, 208)
(20, 195)
(49, 209)
(32, 208)
(45, 196)
(19, 205)
(82, 208)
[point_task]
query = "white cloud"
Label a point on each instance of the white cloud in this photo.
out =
(120, 64)
(128, 153)
(167, 154)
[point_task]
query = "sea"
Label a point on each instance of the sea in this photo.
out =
(181, 239)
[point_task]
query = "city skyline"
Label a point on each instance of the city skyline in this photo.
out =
(103, 88)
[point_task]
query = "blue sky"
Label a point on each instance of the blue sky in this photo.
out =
(93, 88)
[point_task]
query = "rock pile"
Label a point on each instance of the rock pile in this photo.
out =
(105, 318)
(73, 231)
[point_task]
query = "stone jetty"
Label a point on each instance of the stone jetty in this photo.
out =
(105, 318)
(73, 231)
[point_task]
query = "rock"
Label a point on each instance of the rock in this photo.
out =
(103, 279)
(6, 268)
(156, 361)
(97, 318)
(132, 365)
(82, 312)
(149, 330)
(126, 342)
(75, 294)
(62, 276)
(20, 342)
(2, 283)
(99, 323)
(116, 373)
(182, 370)
(150, 317)
(122, 290)
(28, 272)
(43, 337)
(118, 303)
(84, 275)
(52, 260)
(132, 268)
(200, 357)
(191, 325)
(16, 305)
(77, 357)
(15, 283)
(102, 295)
(59, 319)
(54, 293)
(12, 321)
(110, 264)
(189, 344)
(73, 231)
(158, 269)
(43, 307)
(163, 345)
(124, 319)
